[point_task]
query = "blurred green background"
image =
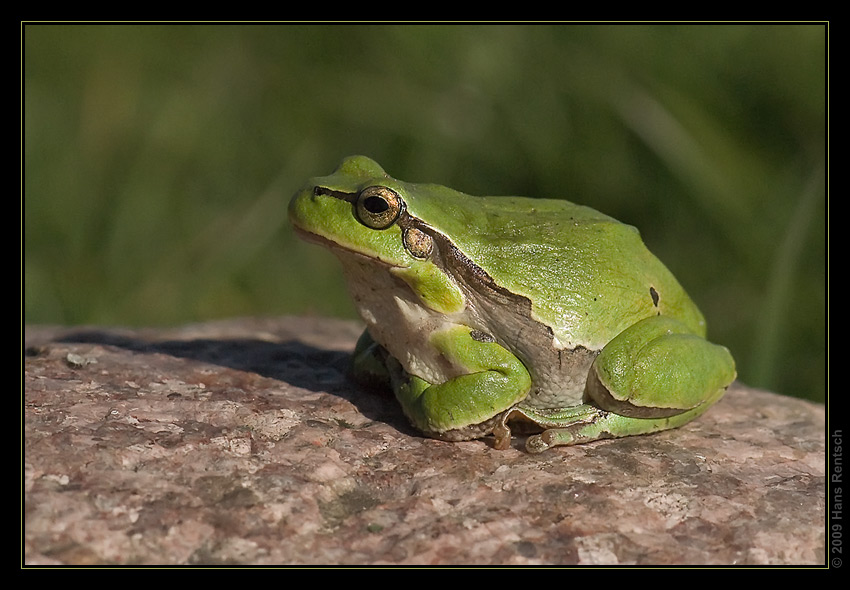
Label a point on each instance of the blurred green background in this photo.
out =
(158, 160)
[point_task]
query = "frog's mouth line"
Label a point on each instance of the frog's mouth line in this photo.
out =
(333, 246)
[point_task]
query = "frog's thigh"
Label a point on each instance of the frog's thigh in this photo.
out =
(657, 368)
(653, 376)
(495, 381)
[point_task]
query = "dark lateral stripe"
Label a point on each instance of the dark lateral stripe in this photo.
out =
(320, 190)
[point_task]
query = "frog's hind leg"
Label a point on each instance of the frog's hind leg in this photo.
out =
(655, 375)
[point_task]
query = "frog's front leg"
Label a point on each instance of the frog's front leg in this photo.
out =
(655, 375)
(466, 406)
(369, 363)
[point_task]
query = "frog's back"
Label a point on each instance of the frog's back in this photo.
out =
(586, 275)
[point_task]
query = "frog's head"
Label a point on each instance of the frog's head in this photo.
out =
(360, 209)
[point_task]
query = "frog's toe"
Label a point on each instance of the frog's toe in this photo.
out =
(549, 438)
(536, 444)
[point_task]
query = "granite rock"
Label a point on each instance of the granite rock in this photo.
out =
(242, 442)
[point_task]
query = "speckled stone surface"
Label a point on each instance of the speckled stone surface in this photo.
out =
(241, 442)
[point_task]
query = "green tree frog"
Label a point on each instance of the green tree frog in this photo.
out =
(490, 313)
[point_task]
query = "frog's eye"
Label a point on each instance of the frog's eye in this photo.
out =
(378, 207)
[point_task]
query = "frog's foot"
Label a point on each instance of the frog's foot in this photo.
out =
(594, 424)
(566, 426)
(586, 423)
(528, 421)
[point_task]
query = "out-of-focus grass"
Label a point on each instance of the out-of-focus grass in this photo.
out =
(158, 160)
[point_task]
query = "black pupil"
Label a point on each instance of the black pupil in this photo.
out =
(375, 205)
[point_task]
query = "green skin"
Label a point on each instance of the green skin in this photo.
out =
(486, 313)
